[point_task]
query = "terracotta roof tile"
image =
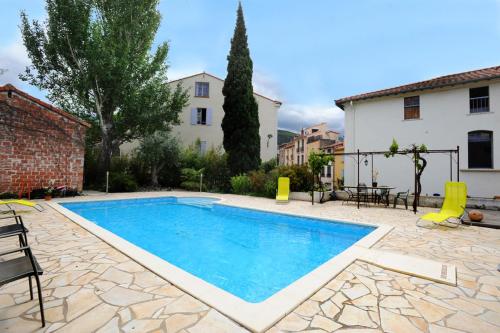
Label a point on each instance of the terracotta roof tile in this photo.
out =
(438, 82)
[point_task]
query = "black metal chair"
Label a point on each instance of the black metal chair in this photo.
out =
(14, 229)
(21, 267)
(382, 196)
(403, 196)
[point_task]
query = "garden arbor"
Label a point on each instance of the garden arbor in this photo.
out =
(363, 157)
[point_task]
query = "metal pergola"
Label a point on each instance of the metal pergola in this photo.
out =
(360, 156)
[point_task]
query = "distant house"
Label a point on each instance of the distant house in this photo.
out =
(40, 145)
(202, 118)
(311, 139)
(332, 175)
(442, 113)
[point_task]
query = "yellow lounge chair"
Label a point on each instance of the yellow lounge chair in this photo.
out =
(21, 202)
(283, 190)
(452, 211)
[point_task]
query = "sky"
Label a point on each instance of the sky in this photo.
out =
(306, 54)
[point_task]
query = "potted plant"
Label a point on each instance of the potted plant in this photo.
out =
(375, 176)
(48, 193)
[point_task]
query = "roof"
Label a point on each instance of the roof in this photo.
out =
(438, 82)
(218, 78)
(9, 87)
(336, 145)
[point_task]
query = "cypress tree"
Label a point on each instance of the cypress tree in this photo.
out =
(241, 115)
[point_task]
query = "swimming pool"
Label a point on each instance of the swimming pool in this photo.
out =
(248, 253)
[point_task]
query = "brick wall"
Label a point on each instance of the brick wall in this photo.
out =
(39, 145)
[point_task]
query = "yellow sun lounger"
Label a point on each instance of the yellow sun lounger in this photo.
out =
(452, 211)
(283, 190)
(21, 202)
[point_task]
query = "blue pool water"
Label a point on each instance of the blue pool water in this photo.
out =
(249, 253)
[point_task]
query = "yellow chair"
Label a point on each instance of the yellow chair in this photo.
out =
(21, 202)
(455, 200)
(283, 190)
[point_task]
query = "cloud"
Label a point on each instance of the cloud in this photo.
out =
(266, 85)
(296, 116)
(179, 72)
(13, 60)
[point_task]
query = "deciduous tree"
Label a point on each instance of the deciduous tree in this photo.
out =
(95, 59)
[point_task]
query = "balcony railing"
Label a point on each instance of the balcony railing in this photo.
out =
(479, 104)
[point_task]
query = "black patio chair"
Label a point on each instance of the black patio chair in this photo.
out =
(21, 267)
(14, 229)
(403, 196)
(382, 196)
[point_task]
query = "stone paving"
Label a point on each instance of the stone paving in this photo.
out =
(89, 286)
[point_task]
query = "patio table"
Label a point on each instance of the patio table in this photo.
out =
(372, 188)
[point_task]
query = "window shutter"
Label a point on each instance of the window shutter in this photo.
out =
(194, 116)
(209, 116)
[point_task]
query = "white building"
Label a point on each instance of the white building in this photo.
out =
(202, 118)
(442, 113)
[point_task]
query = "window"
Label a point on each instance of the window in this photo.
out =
(479, 99)
(201, 89)
(412, 107)
(480, 149)
(298, 159)
(329, 171)
(302, 158)
(201, 116)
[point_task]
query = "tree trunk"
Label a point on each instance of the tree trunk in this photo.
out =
(154, 176)
(416, 199)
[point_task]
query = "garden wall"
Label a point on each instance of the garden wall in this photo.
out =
(40, 145)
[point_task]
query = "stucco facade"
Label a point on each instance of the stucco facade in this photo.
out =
(210, 133)
(444, 123)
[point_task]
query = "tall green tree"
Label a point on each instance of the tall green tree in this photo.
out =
(95, 60)
(241, 114)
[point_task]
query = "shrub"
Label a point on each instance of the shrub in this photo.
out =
(119, 164)
(257, 181)
(300, 177)
(269, 165)
(216, 174)
(240, 184)
(92, 179)
(190, 179)
(270, 188)
(121, 182)
(138, 169)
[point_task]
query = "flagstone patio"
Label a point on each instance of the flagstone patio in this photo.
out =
(88, 286)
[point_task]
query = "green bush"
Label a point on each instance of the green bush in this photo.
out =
(240, 184)
(91, 177)
(270, 188)
(121, 182)
(216, 174)
(119, 164)
(190, 179)
(257, 181)
(269, 165)
(139, 171)
(300, 177)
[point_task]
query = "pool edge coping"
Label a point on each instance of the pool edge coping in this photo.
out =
(254, 316)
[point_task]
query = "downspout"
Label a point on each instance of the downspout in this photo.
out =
(353, 130)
